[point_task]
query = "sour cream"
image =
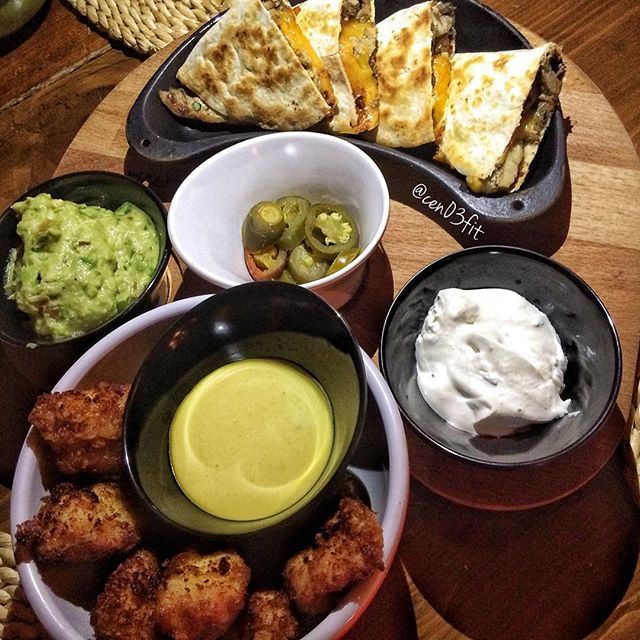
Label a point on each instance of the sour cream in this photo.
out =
(489, 362)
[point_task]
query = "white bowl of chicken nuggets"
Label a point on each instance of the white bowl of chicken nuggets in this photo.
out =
(90, 569)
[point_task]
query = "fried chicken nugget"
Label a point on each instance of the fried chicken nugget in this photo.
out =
(269, 617)
(348, 548)
(201, 595)
(125, 608)
(76, 525)
(83, 428)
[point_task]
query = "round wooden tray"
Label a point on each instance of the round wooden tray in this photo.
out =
(593, 231)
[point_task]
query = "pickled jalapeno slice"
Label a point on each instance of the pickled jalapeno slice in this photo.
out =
(267, 264)
(304, 267)
(330, 230)
(263, 226)
(295, 210)
(286, 276)
(343, 259)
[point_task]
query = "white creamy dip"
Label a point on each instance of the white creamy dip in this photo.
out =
(489, 362)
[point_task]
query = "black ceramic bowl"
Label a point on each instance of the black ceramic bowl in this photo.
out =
(255, 320)
(108, 190)
(586, 332)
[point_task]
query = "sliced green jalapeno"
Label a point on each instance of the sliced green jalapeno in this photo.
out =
(295, 210)
(330, 230)
(343, 259)
(263, 226)
(286, 276)
(304, 267)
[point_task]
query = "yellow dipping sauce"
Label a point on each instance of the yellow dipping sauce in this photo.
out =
(251, 438)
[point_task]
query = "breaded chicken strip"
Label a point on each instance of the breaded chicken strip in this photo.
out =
(75, 525)
(269, 617)
(348, 548)
(83, 428)
(125, 609)
(201, 595)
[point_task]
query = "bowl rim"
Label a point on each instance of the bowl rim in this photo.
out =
(163, 260)
(307, 137)
(130, 439)
(355, 601)
(534, 256)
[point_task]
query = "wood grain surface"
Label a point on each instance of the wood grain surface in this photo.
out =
(563, 570)
(603, 167)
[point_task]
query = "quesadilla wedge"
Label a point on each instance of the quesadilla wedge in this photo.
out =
(187, 105)
(498, 109)
(415, 46)
(254, 66)
(343, 33)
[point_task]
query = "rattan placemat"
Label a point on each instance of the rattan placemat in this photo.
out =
(147, 25)
(17, 620)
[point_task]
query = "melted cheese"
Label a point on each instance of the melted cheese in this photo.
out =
(441, 77)
(286, 21)
(357, 46)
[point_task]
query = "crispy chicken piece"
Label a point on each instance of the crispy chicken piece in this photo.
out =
(201, 595)
(126, 607)
(76, 525)
(83, 428)
(269, 617)
(348, 548)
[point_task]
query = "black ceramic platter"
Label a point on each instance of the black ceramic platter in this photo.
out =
(414, 178)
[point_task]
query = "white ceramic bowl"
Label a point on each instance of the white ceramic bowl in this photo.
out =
(117, 357)
(208, 209)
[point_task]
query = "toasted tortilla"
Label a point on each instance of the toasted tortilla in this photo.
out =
(323, 21)
(188, 106)
(246, 71)
(498, 109)
(407, 86)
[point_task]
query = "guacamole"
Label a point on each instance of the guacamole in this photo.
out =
(80, 265)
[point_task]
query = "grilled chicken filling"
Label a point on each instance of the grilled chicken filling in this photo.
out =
(536, 114)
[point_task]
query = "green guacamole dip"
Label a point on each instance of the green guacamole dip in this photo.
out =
(80, 265)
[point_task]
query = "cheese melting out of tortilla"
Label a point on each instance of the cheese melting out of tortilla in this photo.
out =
(246, 71)
(415, 46)
(343, 34)
(498, 108)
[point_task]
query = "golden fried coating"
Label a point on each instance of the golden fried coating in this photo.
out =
(348, 548)
(201, 595)
(269, 617)
(75, 525)
(83, 428)
(126, 607)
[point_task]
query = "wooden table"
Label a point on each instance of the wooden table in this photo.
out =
(558, 571)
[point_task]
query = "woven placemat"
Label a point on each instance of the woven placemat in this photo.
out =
(17, 620)
(147, 25)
